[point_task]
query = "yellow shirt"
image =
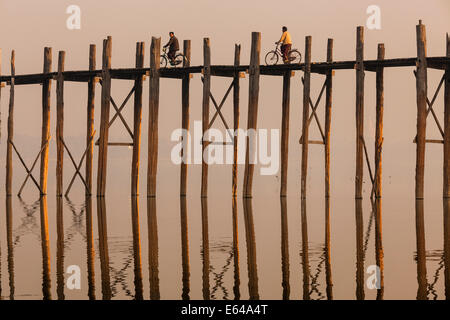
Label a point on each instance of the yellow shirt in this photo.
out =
(286, 38)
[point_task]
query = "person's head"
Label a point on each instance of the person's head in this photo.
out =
(171, 34)
(284, 29)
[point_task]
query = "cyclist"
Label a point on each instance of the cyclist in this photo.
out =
(286, 44)
(173, 46)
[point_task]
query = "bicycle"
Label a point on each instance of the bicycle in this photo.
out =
(179, 59)
(272, 57)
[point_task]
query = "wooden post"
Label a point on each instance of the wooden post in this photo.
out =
(60, 124)
(46, 88)
(45, 246)
(447, 247)
(103, 248)
(137, 120)
(447, 127)
(359, 174)
(422, 290)
(60, 272)
(185, 117)
(137, 240)
(360, 294)
(237, 281)
(205, 250)
(327, 249)
(155, 52)
(285, 132)
(328, 104)
(104, 118)
(305, 251)
(251, 250)
(379, 255)
(90, 120)
(421, 87)
(10, 245)
(9, 167)
(253, 93)
(153, 261)
(379, 123)
(236, 89)
(305, 123)
(90, 249)
(284, 249)
(184, 249)
(205, 111)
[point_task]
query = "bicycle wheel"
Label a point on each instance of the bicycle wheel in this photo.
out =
(295, 56)
(163, 62)
(179, 59)
(271, 58)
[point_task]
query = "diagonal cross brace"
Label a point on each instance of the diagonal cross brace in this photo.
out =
(314, 109)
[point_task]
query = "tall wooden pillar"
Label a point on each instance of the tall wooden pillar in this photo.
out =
(46, 87)
(328, 104)
(137, 120)
(236, 90)
(253, 95)
(359, 111)
(155, 53)
(60, 124)
(421, 87)
(205, 112)
(379, 122)
(104, 118)
(447, 127)
(185, 117)
(285, 132)
(90, 120)
(9, 166)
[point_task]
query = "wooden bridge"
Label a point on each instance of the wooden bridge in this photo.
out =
(235, 72)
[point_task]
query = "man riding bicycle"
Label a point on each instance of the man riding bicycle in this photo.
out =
(173, 46)
(286, 44)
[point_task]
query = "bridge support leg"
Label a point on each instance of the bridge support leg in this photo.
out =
(285, 132)
(9, 167)
(46, 88)
(236, 89)
(90, 120)
(447, 127)
(359, 112)
(328, 104)
(185, 117)
(60, 124)
(205, 112)
(379, 123)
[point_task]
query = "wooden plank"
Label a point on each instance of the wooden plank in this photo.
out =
(379, 123)
(359, 172)
(236, 112)
(328, 105)
(421, 87)
(285, 106)
(155, 50)
(104, 118)
(305, 122)
(138, 83)
(46, 89)
(60, 124)
(90, 119)
(252, 112)
(447, 126)
(185, 117)
(205, 111)
(9, 166)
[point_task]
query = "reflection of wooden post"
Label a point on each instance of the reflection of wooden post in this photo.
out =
(60, 283)
(9, 167)
(60, 124)
(46, 86)
(253, 93)
(90, 250)
(285, 249)
(184, 248)
(236, 89)
(359, 112)
(90, 120)
(237, 281)
(0, 91)
(205, 249)
(10, 243)
(360, 295)
(205, 111)
(421, 87)
(251, 250)
(328, 104)
(45, 245)
(421, 252)
(285, 132)
(447, 127)
(305, 251)
(447, 246)
(104, 118)
(103, 248)
(136, 246)
(153, 248)
(379, 123)
(137, 121)
(185, 117)
(153, 116)
(379, 255)
(305, 122)
(328, 274)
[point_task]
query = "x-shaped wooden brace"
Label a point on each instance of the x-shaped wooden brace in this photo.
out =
(430, 105)
(314, 109)
(219, 108)
(29, 171)
(77, 167)
(372, 177)
(119, 112)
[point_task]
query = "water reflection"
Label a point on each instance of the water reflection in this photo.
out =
(90, 251)
(305, 253)
(153, 261)
(45, 243)
(103, 248)
(237, 282)
(184, 249)
(360, 295)
(9, 241)
(59, 249)
(284, 250)
(327, 251)
(379, 255)
(136, 248)
(447, 246)
(205, 249)
(421, 253)
(251, 250)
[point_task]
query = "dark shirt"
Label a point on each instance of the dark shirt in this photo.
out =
(173, 44)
